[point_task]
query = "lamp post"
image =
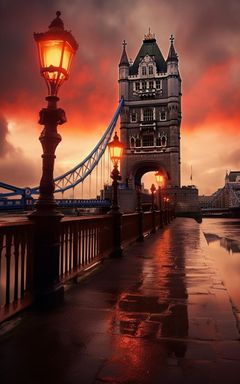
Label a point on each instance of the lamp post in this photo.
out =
(116, 151)
(140, 214)
(139, 203)
(56, 49)
(167, 210)
(153, 191)
(160, 182)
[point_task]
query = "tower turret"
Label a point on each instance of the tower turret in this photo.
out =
(174, 81)
(123, 73)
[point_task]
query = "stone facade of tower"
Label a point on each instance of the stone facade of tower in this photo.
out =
(151, 117)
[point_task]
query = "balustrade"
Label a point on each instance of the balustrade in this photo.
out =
(16, 267)
(84, 242)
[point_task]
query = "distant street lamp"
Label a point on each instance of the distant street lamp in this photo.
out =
(56, 49)
(153, 191)
(168, 209)
(160, 182)
(116, 151)
(139, 202)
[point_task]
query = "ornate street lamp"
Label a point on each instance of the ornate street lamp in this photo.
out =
(116, 151)
(56, 49)
(153, 191)
(160, 182)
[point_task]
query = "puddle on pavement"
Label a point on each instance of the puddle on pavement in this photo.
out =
(223, 236)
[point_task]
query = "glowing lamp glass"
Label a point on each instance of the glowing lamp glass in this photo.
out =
(115, 150)
(56, 49)
(55, 62)
(159, 179)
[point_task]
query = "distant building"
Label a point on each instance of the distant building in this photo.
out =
(232, 177)
(226, 197)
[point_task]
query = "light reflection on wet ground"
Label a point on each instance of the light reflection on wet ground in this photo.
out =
(223, 238)
(158, 315)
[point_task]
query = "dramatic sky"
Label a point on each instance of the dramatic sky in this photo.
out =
(207, 38)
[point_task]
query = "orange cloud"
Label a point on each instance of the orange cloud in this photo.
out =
(214, 98)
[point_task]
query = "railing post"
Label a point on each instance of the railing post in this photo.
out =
(153, 221)
(140, 215)
(117, 234)
(161, 221)
(47, 285)
(75, 246)
(140, 226)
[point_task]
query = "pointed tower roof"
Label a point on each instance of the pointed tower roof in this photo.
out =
(172, 56)
(149, 47)
(124, 58)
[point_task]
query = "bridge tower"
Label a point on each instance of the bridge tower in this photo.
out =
(151, 117)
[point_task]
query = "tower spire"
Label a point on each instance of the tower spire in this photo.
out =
(124, 58)
(172, 55)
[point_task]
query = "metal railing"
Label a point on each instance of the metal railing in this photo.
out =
(83, 243)
(130, 230)
(16, 267)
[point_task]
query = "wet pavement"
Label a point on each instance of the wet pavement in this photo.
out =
(161, 314)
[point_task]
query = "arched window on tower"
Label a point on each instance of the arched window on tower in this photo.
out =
(138, 142)
(148, 114)
(150, 70)
(158, 84)
(164, 141)
(144, 71)
(133, 116)
(137, 86)
(158, 141)
(163, 116)
(132, 142)
(144, 85)
(150, 83)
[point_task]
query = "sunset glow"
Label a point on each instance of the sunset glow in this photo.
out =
(209, 65)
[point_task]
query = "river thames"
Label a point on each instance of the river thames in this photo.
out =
(223, 238)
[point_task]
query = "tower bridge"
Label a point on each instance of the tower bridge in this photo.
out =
(150, 119)
(151, 116)
(225, 200)
(145, 306)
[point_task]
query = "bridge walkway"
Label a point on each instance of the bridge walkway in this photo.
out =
(159, 315)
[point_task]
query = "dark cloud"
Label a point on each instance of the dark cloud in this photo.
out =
(207, 35)
(14, 166)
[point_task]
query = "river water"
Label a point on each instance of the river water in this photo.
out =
(223, 238)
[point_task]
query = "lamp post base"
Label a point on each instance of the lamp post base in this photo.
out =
(117, 231)
(48, 288)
